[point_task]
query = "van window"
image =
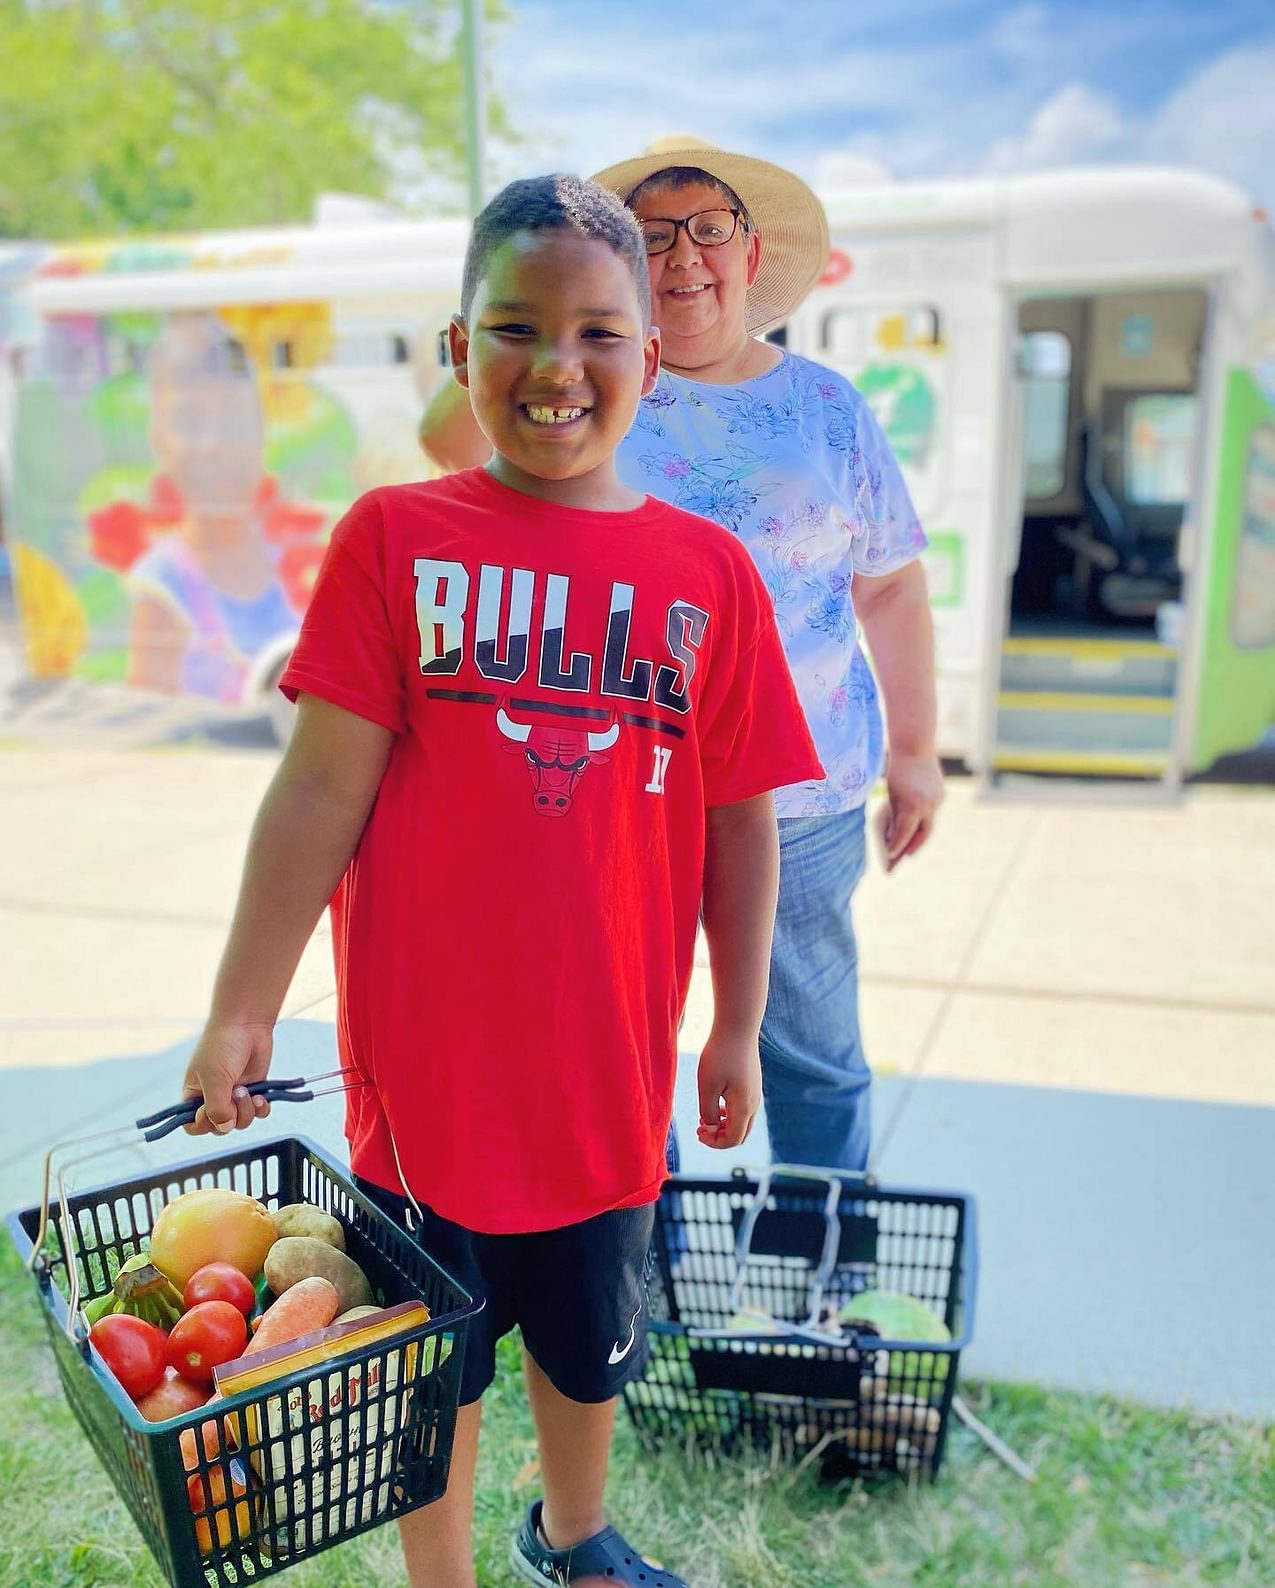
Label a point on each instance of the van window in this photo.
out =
(1045, 363)
(370, 349)
(1159, 437)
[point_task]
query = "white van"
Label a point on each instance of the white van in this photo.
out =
(1076, 370)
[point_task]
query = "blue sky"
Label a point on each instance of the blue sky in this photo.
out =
(909, 88)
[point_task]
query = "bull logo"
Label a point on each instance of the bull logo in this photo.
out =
(557, 758)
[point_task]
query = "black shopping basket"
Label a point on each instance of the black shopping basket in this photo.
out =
(323, 1454)
(744, 1273)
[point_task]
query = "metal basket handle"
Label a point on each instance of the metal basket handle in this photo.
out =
(135, 1135)
(835, 1181)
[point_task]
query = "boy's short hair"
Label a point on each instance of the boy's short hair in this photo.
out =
(556, 203)
(680, 176)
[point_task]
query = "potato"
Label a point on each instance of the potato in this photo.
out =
(300, 1218)
(355, 1313)
(902, 1414)
(298, 1257)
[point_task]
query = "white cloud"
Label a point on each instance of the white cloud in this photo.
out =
(850, 168)
(1073, 127)
(1016, 90)
(581, 100)
(1223, 120)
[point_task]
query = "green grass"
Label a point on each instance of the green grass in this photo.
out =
(1125, 1496)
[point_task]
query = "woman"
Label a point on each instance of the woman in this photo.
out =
(786, 454)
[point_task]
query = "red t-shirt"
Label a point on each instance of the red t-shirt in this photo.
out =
(570, 690)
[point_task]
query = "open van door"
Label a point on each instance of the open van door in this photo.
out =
(1236, 627)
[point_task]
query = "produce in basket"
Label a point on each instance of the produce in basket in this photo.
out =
(210, 1504)
(173, 1396)
(209, 1438)
(355, 1313)
(141, 1290)
(135, 1351)
(758, 1321)
(895, 1316)
(298, 1257)
(308, 1305)
(220, 1282)
(302, 1218)
(903, 1416)
(211, 1333)
(211, 1226)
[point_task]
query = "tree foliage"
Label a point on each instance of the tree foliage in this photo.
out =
(125, 115)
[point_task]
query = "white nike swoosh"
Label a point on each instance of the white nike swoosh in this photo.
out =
(618, 1354)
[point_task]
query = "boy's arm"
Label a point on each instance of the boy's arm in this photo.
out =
(741, 884)
(894, 609)
(306, 831)
(449, 433)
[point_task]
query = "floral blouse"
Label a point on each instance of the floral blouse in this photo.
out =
(794, 463)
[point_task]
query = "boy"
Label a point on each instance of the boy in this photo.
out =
(540, 717)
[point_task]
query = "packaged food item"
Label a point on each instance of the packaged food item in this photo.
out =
(325, 1448)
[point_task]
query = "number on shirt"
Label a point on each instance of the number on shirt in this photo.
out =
(656, 785)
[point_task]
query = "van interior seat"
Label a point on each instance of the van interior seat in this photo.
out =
(1140, 567)
(1104, 513)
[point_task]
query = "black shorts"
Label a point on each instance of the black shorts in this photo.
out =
(578, 1294)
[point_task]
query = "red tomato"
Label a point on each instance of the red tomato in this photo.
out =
(133, 1350)
(220, 1282)
(173, 1396)
(203, 1338)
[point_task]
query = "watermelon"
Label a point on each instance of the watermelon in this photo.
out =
(895, 1316)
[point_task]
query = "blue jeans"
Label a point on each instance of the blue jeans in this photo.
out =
(816, 1081)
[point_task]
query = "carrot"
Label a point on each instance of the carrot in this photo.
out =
(308, 1305)
(210, 1438)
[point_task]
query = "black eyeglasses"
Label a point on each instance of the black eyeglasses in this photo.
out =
(706, 229)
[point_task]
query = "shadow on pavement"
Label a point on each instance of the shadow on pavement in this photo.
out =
(1124, 1242)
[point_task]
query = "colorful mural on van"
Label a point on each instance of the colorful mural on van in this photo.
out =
(174, 482)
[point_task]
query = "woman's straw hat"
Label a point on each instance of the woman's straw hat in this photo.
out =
(786, 213)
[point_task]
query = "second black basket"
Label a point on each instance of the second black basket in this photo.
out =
(740, 1356)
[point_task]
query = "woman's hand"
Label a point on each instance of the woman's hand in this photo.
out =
(914, 786)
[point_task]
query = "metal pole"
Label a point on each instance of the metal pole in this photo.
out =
(475, 113)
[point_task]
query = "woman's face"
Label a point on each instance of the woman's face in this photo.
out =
(698, 294)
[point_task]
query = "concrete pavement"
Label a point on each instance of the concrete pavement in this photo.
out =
(1071, 1010)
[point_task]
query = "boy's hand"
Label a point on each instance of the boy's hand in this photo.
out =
(227, 1059)
(729, 1089)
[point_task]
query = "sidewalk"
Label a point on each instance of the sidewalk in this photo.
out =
(1071, 1010)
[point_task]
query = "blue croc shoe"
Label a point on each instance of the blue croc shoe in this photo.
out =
(604, 1555)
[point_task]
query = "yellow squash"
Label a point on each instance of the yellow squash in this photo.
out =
(211, 1226)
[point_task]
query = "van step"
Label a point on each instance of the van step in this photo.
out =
(1089, 666)
(1091, 724)
(1080, 763)
(1044, 700)
(1082, 645)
